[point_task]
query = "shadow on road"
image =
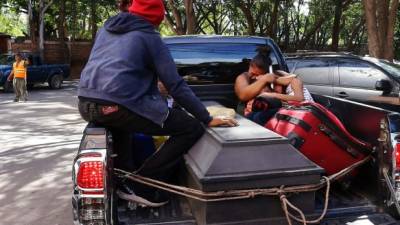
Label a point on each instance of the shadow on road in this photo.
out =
(39, 139)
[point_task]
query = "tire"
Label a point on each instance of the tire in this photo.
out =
(8, 87)
(56, 81)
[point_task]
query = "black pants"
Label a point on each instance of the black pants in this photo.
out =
(183, 130)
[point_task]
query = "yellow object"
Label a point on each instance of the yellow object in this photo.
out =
(220, 111)
(159, 140)
(19, 69)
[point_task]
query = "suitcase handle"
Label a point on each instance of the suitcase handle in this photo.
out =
(339, 141)
(293, 120)
(295, 140)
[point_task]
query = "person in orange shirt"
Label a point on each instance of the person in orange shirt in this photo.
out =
(18, 75)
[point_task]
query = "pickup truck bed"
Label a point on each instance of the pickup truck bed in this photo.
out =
(355, 201)
(345, 207)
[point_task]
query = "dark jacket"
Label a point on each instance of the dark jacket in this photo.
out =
(126, 61)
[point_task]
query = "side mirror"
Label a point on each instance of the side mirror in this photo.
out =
(383, 85)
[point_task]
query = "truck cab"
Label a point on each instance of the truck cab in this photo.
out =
(37, 71)
(245, 157)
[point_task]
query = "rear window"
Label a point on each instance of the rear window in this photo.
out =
(213, 63)
(314, 71)
(197, 53)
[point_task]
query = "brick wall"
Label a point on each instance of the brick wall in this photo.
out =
(74, 53)
(4, 43)
(80, 52)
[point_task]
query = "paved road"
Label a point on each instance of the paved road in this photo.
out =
(38, 141)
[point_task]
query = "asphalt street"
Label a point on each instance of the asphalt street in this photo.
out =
(38, 141)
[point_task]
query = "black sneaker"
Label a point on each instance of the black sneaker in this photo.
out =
(15, 100)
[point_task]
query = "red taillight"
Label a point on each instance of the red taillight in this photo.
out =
(397, 155)
(90, 175)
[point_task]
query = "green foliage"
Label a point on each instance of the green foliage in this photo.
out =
(300, 24)
(11, 23)
(165, 30)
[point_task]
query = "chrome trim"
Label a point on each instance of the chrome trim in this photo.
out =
(391, 189)
(78, 160)
(106, 195)
(78, 195)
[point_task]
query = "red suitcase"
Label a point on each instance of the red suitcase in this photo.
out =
(319, 135)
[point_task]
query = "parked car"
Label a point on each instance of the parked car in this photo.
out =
(37, 72)
(363, 79)
(234, 158)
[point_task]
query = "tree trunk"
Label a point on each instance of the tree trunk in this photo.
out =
(382, 11)
(274, 19)
(61, 22)
(336, 25)
(93, 20)
(31, 22)
(249, 17)
(42, 11)
(381, 18)
(61, 30)
(74, 19)
(355, 31)
(190, 16)
(179, 29)
(311, 32)
(373, 38)
(286, 26)
(389, 48)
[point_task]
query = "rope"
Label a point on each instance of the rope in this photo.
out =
(303, 220)
(218, 196)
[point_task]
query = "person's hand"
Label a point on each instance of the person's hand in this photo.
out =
(10, 78)
(162, 89)
(267, 78)
(269, 94)
(285, 74)
(222, 121)
(282, 73)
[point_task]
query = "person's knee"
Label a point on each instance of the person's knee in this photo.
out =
(195, 129)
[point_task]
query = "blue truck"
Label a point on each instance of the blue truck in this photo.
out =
(38, 72)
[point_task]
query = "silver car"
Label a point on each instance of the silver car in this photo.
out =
(363, 79)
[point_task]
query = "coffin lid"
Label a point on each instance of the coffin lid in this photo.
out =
(247, 152)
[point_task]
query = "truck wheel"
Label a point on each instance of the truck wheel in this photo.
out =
(8, 87)
(56, 81)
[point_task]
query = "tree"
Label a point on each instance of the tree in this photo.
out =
(42, 9)
(340, 6)
(183, 19)
(11, 24)
(380, 16)
(93, 19)
(320, 15)
(274, 19)
(246, 6)
(214, 15)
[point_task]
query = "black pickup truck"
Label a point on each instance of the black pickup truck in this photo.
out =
(245, 157)
(37, 71)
